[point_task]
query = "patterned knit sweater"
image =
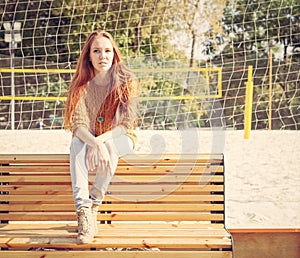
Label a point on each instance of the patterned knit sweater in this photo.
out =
(91, 112)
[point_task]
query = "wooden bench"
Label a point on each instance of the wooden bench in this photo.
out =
(156, 206)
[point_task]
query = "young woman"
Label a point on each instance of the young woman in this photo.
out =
(101, 111)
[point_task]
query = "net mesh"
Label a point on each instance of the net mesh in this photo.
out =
(191, 58)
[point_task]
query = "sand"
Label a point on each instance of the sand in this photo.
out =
(262, 172)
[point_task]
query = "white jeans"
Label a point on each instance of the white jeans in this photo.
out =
(117, 148)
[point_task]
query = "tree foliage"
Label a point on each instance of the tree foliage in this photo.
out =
(159, 34)
(252, 30)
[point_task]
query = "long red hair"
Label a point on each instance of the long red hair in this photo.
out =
(123, 86)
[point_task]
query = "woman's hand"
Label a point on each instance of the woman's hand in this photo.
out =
(104, 156)
(97, 156)
(92, 158)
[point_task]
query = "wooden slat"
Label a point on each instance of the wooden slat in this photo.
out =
(118, 254)
(34, 179)
(126, 233)
(159, 216)
(22, 169)
(112, 242)
(142, 190)
(165, 188)
(63, 198)
(169, 178)
(121, 169)
(133, 170)
(173, 158)
(130, 232)
(263, 230)
(128, 159)
(34, 158)
(164, 207)
(35, 168)
(161, 168)
(72, 227)
(116, 179)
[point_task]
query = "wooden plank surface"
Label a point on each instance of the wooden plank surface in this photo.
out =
(121, 169)
(154, 207)
(116, 179)
(141, 189)
(118, 254)
(58, 230)
(122, 242)
(67, 198)
(128, 159)
(145, 189)
(114, 225)
(138, 216)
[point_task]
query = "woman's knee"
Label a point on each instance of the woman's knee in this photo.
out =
(121, 146)
(77, 145)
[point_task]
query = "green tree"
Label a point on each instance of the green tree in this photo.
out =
(53, 33)
(252, 29)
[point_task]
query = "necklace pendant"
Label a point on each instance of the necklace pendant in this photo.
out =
(100, 119)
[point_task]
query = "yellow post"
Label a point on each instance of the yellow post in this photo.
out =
(248, 104)
(270, 91)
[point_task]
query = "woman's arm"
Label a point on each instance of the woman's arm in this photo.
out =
(115, 132)
(83, 134)
(97, 152)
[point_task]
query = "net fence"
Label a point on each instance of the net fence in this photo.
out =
(191, 58)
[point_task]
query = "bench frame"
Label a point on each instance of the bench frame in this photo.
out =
(169, 206)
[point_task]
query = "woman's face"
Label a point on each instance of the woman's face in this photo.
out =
(101, 54)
